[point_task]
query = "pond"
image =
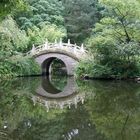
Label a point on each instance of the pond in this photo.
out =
(62, 108)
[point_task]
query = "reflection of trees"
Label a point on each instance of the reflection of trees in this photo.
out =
(59, 81)
(79, 119)
(115, 109)
(15, 102)
(22, 119)
(57, 125)
(111, 114)
(26, 121)
(20, 85)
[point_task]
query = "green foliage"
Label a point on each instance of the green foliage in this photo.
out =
(11, 37)
(10, 7)
(91, 69)
(40, 12)
(18, 66)
(48, 32)
(13, 40)
(112, 68)
(80, 16)
(115, 39)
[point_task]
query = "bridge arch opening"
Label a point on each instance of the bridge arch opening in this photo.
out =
(55, 66)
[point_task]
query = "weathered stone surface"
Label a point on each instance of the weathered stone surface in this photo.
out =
(45, 60)
(68, 53)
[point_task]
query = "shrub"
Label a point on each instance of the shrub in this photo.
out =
(115, 68)
(18, 66)
(92, 69)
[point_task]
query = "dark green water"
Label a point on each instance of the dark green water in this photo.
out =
(57, 108)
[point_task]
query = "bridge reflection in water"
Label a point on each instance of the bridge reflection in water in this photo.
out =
(51, 96)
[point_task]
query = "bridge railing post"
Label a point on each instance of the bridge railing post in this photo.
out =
(33, 51)
(60, 43)
(82, 48)
(55, 43)
(68, 42)
(46, 45)
(74, 50)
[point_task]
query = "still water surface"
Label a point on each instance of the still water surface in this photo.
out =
(60, 108)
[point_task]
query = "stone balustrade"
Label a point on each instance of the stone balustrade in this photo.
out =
(68, 48)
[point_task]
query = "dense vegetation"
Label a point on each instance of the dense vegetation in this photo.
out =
(80, 17)
(10, 7)
(115, 42)
(109, 28)
(41, 12)
(16, 38)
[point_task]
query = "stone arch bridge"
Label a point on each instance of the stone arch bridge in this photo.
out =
(69, 54)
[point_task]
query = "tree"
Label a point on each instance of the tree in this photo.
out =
(80, 17)
(10, 6)
(12, 39)
(38, 36)
(115, 39)
(13, 42)
(41, 12)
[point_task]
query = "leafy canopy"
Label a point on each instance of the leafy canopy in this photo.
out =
(80, 17)
(48, 32)
(115, 39)
(40, 12)
(10, 6)
(118, 33)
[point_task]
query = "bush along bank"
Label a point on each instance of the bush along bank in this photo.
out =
(118, 70)
(18, 66)
(114, 43)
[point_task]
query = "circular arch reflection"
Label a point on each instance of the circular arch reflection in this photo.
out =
(48, 90)
(66, 98)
